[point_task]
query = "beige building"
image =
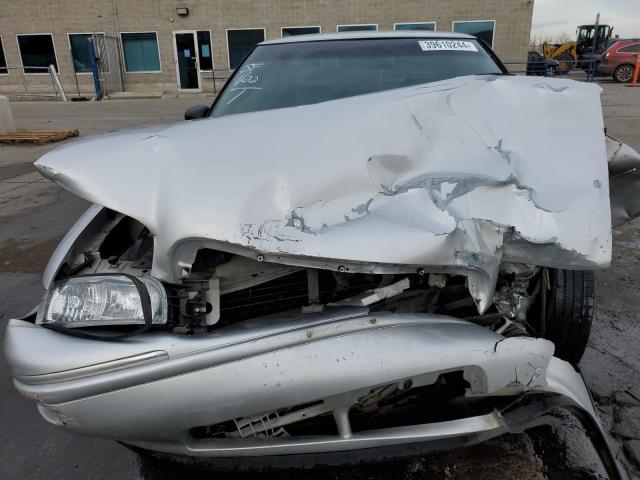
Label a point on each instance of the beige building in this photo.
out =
(169, 45)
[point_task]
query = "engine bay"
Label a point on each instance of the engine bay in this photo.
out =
(221, 288)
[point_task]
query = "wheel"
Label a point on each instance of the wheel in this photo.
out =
(550, 71)
(566, 63)
(623, 73)
(566, 299)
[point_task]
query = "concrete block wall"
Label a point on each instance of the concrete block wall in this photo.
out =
(511, 36)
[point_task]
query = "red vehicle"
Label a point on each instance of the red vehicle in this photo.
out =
(620, 59)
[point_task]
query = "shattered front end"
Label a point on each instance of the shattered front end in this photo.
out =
(365, 276)
(331, 383)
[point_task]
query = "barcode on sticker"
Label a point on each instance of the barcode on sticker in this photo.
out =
(461, 45)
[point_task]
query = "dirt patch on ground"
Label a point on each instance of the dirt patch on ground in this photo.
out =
(25, 257)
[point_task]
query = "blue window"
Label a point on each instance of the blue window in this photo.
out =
(141, 52)
(80, 51)
(357, 28)
(480, 29)
(428, 26)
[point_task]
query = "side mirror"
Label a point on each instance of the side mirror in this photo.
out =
(196, 112)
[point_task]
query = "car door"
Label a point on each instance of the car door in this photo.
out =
(530, 63)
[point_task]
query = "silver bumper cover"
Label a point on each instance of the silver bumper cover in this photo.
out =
(151, 390)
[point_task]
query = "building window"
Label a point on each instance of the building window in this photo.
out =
(241, 42)
(429, 26)
(291, 31)
(37, 53)
(204, 50)
(81, 52)
(140, 51)
(357, 28)
(483, 29)
(3, 60)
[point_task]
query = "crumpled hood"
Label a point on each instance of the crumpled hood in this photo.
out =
(459, 175)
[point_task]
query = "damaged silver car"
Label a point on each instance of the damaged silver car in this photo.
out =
(360, 251)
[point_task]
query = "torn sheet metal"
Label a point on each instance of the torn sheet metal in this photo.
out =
(624, 182)
(355, 353)
(450, 176)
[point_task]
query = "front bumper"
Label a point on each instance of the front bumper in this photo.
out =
(151, 390)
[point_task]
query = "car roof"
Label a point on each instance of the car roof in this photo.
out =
(318, 37)
(621, 41)
(615, 47)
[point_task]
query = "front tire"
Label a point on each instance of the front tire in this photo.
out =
(623, 73)
(569, 312)
(566, 63)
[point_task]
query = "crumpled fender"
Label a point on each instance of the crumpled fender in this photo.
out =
(624, 181)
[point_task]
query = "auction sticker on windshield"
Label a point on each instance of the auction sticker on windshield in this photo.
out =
(462, 45)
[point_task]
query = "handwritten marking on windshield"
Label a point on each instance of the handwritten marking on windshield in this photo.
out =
(245, 81)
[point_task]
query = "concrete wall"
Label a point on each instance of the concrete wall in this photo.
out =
(512, 30)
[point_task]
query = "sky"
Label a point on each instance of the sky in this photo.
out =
(552, 18)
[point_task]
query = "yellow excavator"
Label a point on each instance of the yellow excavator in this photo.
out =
(580, 54)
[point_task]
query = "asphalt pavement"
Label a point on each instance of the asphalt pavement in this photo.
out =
(35, 214)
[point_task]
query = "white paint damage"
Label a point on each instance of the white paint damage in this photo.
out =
(455, 176)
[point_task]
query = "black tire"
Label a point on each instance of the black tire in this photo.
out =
(623, 73)
(569, 312)
(566, 63)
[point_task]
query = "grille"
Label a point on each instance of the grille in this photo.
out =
(290, 292)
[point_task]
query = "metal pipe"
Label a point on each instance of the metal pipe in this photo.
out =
(56, 82)
(94, 69)
(592, 67)
(24, 82)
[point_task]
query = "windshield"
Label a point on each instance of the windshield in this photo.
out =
(584, 33)
(294, 74)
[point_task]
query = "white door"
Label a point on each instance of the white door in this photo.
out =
(186, 53)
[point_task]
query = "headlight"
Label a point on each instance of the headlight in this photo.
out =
(96, 300)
